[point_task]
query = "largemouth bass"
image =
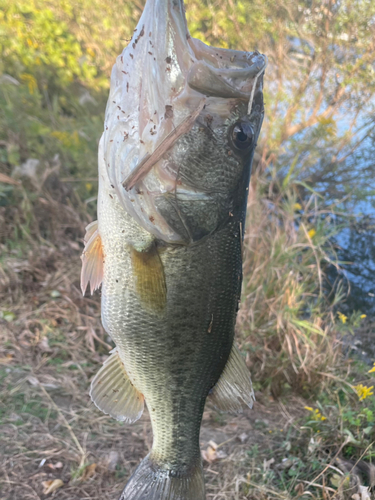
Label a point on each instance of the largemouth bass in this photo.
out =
(181, 125)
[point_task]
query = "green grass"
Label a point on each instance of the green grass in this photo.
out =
(22, 406)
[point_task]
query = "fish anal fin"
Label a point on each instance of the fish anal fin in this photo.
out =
(148, 272)
(92, 259)
(234, 391)
(114, 394)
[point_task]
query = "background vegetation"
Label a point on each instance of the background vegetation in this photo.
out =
(308, 298)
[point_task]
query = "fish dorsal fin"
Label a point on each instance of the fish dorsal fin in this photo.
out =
(234, 391)
(148, 273)
(92, 259)
(114, 394)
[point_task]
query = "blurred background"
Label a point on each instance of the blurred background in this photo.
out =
(306, 323)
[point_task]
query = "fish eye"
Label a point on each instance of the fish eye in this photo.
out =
(242, 135)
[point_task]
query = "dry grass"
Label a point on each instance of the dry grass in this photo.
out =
(286, 321)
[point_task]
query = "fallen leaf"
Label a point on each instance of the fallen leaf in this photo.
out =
(33, 380)
(88, 472)
(5, 179)
(210, 454)
(365, 493)
(51, 486)
(267, 464)
(299, 489)
(286, 463)
(44, 346)
(243, 437)
(74, 245)
(58, 465)
(112, 460)
(7, 359)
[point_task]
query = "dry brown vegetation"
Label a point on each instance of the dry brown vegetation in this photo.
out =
(287, 319)
(52, 343)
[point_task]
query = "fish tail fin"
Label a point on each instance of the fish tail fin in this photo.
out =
(151, 482)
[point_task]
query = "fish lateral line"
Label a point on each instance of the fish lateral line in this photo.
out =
(146, 164)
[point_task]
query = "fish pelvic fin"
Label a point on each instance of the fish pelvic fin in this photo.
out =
(114, 394)
(92, 259)
(234, 391)
(148, 272)
(150, 482)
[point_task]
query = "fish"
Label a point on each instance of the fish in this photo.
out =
(181, 125)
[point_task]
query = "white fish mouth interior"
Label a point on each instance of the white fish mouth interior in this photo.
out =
(146, 164)
(159, 86)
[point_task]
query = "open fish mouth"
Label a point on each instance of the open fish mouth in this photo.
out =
(163, 85)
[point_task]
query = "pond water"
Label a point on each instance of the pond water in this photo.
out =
(357, 247)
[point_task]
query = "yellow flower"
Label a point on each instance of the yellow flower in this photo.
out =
(311, 233)
(67, 139)
(372, 369)
(342, 317)
(30, 82)
(363, 316)
(90, 52)
(297, 206)
(363, 392)
(316, 415)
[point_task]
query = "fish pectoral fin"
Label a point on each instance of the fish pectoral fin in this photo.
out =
(92, 259)
(234, 391)
(148, 273)
(114, 394)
